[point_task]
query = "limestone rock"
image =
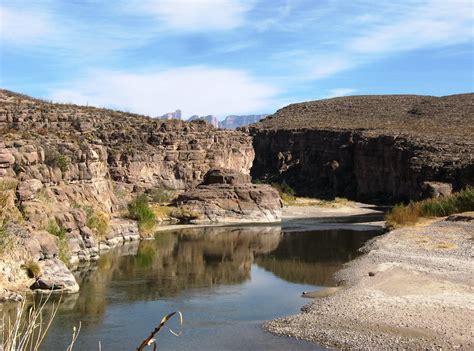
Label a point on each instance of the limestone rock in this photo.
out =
(225, 197)
(56, 276)
(219, 176)
(436, 189)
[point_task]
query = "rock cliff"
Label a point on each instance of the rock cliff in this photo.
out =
(377, 148)
(68, 172)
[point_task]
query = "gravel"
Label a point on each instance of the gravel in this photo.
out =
(420, 295)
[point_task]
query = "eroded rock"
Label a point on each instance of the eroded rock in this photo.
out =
(225, 197)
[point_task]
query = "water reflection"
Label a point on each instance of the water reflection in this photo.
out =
(205, 257)
(241, 273)
(313, 257)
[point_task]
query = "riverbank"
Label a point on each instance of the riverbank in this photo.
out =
(413, 289)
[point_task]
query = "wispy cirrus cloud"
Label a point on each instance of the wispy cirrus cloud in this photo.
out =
(338, 92)
(195, 89)
(253, 53)
(22, 27)
(192, 15)
(431, 23)
(389, 29)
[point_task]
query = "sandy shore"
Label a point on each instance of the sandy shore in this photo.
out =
(419, 295)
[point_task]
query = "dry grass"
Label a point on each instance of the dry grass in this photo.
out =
(33, 269)
(410, 214)
(307, 202)
(162, 212)
(8, 209)
(28, 326)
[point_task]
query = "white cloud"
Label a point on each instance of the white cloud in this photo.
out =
(196, 90)
(196, 15)
(338, 92)
(387, 29)
(321, 67)
(434, 23)
(24, 26)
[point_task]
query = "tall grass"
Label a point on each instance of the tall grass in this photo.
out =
(139, 209)
(28, 326)
(443, 206)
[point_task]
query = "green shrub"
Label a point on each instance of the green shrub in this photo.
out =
(55, 159)
(443, 206)
(60, 232)
(139, 210)
(55, 229)
(97, 221)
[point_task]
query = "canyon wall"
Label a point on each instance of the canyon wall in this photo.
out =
(68, 172)
(369, 148)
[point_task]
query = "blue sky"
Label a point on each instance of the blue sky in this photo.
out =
(233, 56)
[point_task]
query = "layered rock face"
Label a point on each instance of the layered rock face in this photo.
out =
(70, 170)
(226, 197)
(372, 148)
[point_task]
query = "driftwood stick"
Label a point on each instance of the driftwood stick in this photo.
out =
(149, 340)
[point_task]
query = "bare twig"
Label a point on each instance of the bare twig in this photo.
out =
(150, 339)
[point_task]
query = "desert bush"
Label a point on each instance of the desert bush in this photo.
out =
(410, 213)
(139, 210)
(97, 221)
(55, 159)
(60, 232)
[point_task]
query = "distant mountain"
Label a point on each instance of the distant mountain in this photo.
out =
(234, 121)
(212, 120)
(171, 115)
(230, 122)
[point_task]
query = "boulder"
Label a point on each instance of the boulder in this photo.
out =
(220, 176)
(232, 200)
(436, 189)
(56, 276)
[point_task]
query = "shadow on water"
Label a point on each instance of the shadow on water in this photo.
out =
(224, 279)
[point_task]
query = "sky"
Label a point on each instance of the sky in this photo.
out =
(227, 57)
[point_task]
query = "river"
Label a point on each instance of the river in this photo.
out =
(225, 280)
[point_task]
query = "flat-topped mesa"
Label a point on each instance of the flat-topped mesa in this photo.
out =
(375, 148)
(226, 197)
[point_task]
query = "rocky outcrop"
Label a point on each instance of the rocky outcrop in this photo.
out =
(71, 170)
(372, 148)
(226, 197)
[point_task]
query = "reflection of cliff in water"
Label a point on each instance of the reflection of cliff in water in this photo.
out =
(313, 257)
(204, 257)
(172, 263)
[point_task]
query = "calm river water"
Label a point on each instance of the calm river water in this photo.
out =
(225, 280)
